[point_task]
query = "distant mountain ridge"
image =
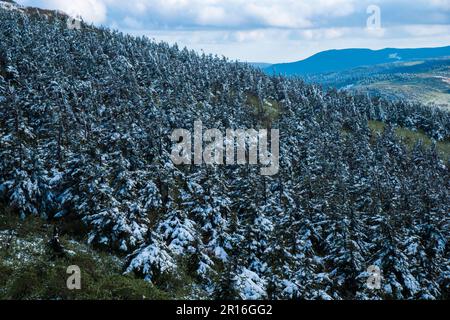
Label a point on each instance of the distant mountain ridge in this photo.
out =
(341, 60)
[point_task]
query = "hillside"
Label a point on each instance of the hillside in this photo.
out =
(85, 123)
(425, 81)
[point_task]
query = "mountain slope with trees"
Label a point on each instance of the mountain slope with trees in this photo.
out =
(426, 81)
(85, 123)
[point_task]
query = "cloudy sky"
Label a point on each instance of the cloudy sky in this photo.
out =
(270, 30)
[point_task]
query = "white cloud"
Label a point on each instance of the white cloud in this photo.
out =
(248, 14)
(91, 10)
(441, 4)
(211, 15)
(426, 30)
(132, 23)
(237, 13)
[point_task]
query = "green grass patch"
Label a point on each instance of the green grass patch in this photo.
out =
(30, 271)
(46, 279)
(268, 109)
(410, 138)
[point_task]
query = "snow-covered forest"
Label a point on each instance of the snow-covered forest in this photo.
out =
(85, 123)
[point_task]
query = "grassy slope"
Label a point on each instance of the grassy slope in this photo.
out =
(410, 138)
(270, 109)
(424, 88)
(426, 81)
(423, 82)
(29, 270)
